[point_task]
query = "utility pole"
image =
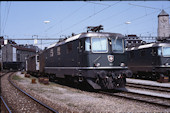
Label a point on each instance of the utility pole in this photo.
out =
(46, 22)
(0, 19)
(2, 39)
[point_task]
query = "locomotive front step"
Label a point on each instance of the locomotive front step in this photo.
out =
(163, 79)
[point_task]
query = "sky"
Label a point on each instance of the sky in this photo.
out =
(25, 19)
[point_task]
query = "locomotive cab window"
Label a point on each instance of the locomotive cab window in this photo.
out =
(87, 44)
(160, 51)
(164, 51)
(99, 45)
(117, 45)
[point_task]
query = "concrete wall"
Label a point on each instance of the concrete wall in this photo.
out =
(7, 53)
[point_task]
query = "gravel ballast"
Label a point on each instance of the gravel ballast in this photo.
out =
(66, 99)
(17, 101)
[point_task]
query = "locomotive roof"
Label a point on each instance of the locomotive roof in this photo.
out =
(148, 46)
(90, 34)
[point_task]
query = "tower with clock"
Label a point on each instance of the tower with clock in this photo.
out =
(163, 25)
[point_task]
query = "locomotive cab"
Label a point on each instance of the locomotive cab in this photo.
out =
(103, 51)
(104, 59)
(150, 61)
(164, 59)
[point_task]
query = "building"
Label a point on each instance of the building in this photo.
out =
(133, 41)
(163, 25)
(16, 55)
(1, 45)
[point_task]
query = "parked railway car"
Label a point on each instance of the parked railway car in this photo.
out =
(12, 65)
(97, 58)
(150, 61)
(32, 64)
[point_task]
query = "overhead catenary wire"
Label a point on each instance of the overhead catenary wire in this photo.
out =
(117, 14)
(97, 3)
(133, 5)
(135, 19)
(4, 13)
(94, 13)
(74, 12)
(5, 20)
(123, 9)
(5, 16)
(86, 18)
(66, 17)
(145, 6)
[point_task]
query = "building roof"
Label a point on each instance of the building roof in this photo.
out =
(23, 48)
(163, 13)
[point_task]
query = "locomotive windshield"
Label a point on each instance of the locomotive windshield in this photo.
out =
(164, 51)
(99, 44)
(117, 45)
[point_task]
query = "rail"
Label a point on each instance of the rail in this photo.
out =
(5, 104)
(49, 108)
(138, 97)
(150, 87)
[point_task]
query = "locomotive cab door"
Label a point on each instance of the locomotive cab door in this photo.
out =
(154, 61)
(154, 56)
(80, 52)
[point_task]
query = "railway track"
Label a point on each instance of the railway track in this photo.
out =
(149, 87)
(152, 99)
(30, 100)
(4, 107)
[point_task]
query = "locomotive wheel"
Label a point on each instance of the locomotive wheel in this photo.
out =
(135, 76)
(51, 78)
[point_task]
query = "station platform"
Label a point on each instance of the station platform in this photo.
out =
(147, 82)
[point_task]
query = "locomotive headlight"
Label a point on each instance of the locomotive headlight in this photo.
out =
(97, 64)
(166, 64)
(122, 64)
(120, 76)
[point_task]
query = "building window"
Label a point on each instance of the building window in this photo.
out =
(37, 58)
(18, 57)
